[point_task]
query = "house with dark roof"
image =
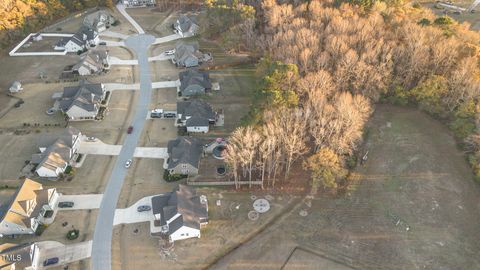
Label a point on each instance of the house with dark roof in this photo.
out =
(196, 115)
(194, 82)
(92, 62)
(30, 207)
(179, 214)
(184, 155)
(56, 153)
(82, 102)
(186, 26)
(84, 38)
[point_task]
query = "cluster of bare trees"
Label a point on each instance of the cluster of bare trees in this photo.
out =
(267, 152)
(347, 59)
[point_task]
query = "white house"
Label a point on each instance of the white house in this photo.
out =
(85, 37)
(30, 207)
(56, 154)
(179, 214)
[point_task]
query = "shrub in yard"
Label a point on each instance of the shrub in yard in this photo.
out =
(173, 177)
(444, 20)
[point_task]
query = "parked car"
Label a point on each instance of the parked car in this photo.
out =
(129, 130)
(156, 113)
(50, 261)
(102, 43)
(144, 208)
(91, 139)
(65, 204)
(170, 52)
(128, 163)
(169, 115)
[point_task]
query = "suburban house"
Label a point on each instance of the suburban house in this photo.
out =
(16, 87)
(194, 82)
(57, 153)
(195, 115)
(185, 26)
(184, 155)
(188, 55)
(179, 214)
(138, 3)
(82, 102)
(80, 41)
(92, 62)
(18, 256)
(30, 207)
(99, 21)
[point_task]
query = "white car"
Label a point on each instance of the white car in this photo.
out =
(128, 163)
(170, 52)
(91, 139)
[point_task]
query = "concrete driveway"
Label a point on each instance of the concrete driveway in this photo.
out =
(121, 86)
(131, 215)
(113, 34)
(160, 57)
(117, 61)
(110, 43)
(167, 39)
(166, 84)
(81, 202)
(65, 253)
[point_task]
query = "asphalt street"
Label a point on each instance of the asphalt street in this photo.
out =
(102, 238)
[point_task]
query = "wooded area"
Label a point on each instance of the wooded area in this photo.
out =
(21, 17)
(326, 63)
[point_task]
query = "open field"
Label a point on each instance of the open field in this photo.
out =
(152, 21)
(415, 206)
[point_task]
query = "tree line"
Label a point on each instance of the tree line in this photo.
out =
(325, 64)
(21, 17)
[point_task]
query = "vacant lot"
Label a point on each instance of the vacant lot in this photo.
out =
(415, 206)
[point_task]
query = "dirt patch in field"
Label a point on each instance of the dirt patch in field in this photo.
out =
(414, 206)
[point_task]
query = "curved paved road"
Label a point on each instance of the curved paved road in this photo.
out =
(102, 238)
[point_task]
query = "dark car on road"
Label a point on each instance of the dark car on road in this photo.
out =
(129, 130)
(65, 204)
(143, 208)
(50, 261)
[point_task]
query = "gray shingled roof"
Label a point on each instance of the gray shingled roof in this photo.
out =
(185, 50)
(184, 150)
(185, 22)
(85, 96)
(198, 111)
(194, 77)
(184, 201)
(95, 58)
